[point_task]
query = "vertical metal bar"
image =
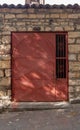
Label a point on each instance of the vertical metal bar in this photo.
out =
(63, 68)
(64, 44)
(59, 67)
(67, 65)
(58, 45)
(58, 55)
(61, 46)
(63, 55)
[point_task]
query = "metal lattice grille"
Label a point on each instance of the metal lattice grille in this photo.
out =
(60, 56)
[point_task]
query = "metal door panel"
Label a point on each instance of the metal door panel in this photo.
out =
(27, 89)
(36, 68)
(31, 45)
(61, 90)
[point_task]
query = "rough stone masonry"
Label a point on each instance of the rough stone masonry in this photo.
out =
(47, 18)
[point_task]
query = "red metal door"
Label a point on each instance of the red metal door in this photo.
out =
(33, 68)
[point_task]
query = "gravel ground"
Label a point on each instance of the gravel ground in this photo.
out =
(52, 119)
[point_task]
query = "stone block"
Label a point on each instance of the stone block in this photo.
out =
(58, 29)
(71, 40)
(64, 23)
(17, 11)
(78, 41)
(74, 48)
(5, 49)
(64, 15)
(75, 74)
(21, 28)
(5, 10)
(73, 16)
(6, 39)
(22, 16)
(2, 93)
(47, 29)
(42, 28)
(74, 82)
(69, 28)
(78, 27)
(54, 16)
(34, 16)
(1, 15)
(20, 24)
(6, 101)
(71, 23)
(47, 15)
(29, 29)
(5, 32)
(78, 89)
(9, 28)
(5, 64)
(56, 11)
(6, 82)
(74, 34)
(72, 57)
(71, 89)
(30, 10)
(9, 16)
(5, 57)
(71, 96)
(74, 66)
(40, 16)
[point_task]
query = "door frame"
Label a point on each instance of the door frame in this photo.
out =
(67, 63)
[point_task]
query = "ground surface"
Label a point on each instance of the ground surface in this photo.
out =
(55, 119)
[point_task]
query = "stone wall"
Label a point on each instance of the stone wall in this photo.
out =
(27, 19)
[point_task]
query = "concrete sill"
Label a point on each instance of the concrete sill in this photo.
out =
(14, 106)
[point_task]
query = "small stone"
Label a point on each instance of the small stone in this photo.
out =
(8, 72)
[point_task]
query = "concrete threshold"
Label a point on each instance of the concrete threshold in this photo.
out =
(18, 106)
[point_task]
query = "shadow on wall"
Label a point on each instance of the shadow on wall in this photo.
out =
(33, 68)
